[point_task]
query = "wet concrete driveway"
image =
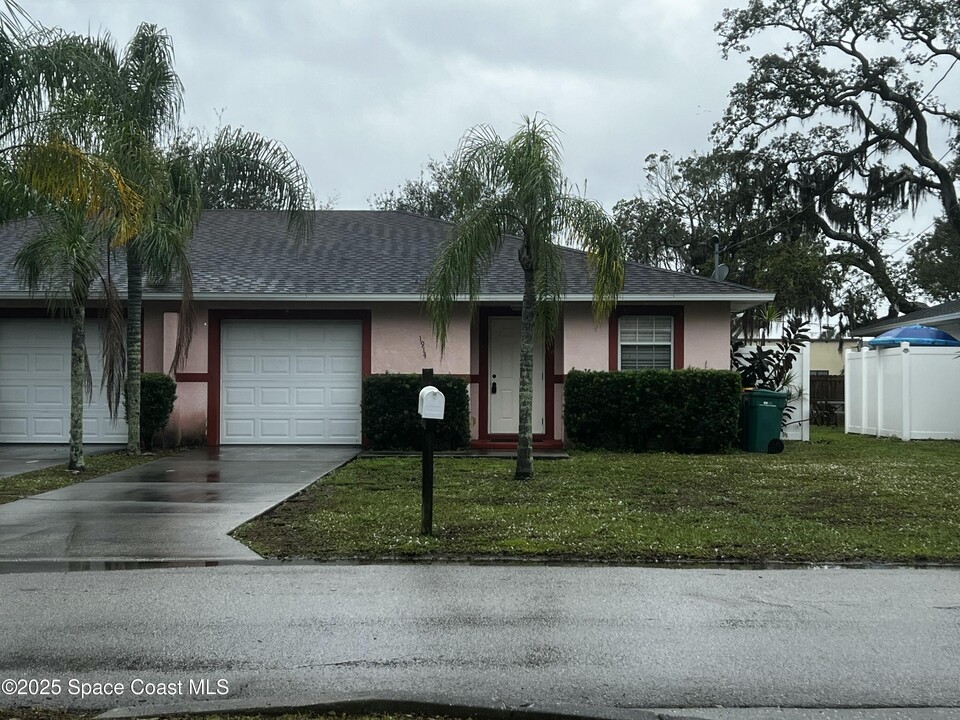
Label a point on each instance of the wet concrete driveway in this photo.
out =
(16, 459)
(174, 509)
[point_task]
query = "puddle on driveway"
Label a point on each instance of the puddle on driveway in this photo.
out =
(156, 493)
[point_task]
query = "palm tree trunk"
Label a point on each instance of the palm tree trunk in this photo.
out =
(78, 378)
(134, 333)
(527, 323)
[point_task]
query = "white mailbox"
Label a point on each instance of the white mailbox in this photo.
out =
(431, 402)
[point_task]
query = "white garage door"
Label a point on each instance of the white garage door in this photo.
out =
(290, 382)
(35, 385)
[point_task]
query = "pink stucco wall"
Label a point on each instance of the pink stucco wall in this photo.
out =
(474, 388)
(706, 335)
(396, 333)
(196, 360)
(188, 422)
(585, 344)
(153, 340)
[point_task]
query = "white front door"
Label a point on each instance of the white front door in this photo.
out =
(503, 385)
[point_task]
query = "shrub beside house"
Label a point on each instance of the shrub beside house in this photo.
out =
(686, 411)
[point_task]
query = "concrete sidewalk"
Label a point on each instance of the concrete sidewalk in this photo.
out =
(178, 508)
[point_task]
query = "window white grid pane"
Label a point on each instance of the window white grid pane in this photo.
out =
(642, 357)
(646, 341)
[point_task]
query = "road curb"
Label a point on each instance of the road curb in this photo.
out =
(394, 704)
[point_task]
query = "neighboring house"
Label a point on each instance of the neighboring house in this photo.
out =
(945, 316)
(826, 356)
(285, 334)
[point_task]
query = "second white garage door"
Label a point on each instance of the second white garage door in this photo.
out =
(290, 382)
(35, 384)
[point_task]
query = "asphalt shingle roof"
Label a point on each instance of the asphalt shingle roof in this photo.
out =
(354, 253)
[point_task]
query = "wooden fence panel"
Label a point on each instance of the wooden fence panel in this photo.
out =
(826, 387)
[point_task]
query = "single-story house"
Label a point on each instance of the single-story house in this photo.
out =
(286, 333)
(945, 316)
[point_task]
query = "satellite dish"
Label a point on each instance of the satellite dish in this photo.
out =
(721, 272)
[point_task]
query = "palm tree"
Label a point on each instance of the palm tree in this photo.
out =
(86, 125)
(83, 202)
(41, 163)
(137, 121)
(67, 255)
(237, 169)
(517, 186)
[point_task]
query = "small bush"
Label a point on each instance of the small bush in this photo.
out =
(687, 411)
(390, 419)
(157, 393)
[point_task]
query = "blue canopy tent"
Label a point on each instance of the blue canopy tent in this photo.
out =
(922, 335)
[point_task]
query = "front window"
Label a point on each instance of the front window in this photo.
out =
(646, 341)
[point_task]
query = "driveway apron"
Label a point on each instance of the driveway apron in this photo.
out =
(179, 508)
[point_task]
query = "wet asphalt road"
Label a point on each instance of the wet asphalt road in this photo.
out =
(602, 636)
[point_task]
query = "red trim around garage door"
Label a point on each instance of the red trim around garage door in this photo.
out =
(215, 317)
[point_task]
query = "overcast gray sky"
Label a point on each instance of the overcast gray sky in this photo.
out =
(364, 92)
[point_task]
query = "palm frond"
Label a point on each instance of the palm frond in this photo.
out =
(153, 93)
(549, 279)
(516, 186)
(163, 252)
(62, 260)
(113, 333)
(53, 78)
(461, 265)
(592, 229)
(63, 173)
(244, 169)
(15, 20)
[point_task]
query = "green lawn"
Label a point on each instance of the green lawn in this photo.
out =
(837, 498)
(52, 478)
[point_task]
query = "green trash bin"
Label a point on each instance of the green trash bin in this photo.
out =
(760, 416)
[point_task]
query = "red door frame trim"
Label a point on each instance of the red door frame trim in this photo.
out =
(674, 311)
(215, 317)
(484, 437)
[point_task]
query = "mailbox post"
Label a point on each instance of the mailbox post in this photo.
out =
(430, 406)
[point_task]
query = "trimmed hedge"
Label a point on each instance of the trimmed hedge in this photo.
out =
(685, 411)
(157, 393)
(390, 419)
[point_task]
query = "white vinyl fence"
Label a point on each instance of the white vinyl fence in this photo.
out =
(799, 408)
(911, 392)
